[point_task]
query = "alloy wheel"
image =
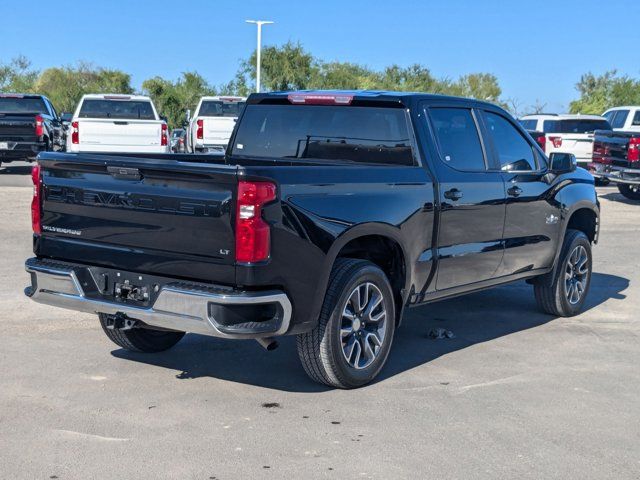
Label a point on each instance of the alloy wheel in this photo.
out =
(576, 274)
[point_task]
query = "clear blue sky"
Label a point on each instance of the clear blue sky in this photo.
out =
(538, 50)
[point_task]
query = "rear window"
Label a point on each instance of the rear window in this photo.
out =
(22, 105)
(217, 108)
(529, 124)
(122, 109)
(323, 132)
(575, 126)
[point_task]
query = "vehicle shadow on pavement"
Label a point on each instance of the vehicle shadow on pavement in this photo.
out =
(15, 169)
(473, 319)
(618, 197)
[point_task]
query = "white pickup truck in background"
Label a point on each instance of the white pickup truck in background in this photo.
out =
(624, 119)
(117, 123)
(212, 124)
(566, 133)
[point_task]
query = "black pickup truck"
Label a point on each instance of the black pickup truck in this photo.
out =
(616, 158)
(28, 125)
(328, 215)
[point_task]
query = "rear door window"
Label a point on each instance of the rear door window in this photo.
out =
(119, 109)
(458, 138)
(514, 152)
(636, 119)
(325, 132)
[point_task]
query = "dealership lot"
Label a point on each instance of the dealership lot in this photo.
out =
(515, 393)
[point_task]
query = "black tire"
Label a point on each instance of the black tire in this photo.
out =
(602, 182)
(553, 292)
(321, 350)
(141, 339)
(632, 192)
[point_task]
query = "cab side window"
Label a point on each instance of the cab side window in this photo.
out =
(458, 138)
(514, 152)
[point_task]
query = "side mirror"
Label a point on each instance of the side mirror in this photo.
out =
(66, 117)
(562, 162)
(187, 117)
(164, 118)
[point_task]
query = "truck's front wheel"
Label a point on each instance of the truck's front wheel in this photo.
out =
(632, 192)
(351, 343)
(140, 339)
(564, 293)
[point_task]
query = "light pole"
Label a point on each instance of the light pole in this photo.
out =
(259, 23)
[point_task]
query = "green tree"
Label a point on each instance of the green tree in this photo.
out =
(65, 85)
(17, 76)
(173, 99)
(601, 92)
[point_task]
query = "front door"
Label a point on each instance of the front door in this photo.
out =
(532, 223)
(472, 201)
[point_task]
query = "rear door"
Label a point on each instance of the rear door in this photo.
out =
(471, 197)
(532, 223)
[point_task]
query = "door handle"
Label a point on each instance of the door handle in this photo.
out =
(453, 194)
(514, 191)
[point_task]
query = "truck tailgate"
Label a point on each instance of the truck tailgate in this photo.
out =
(217, 130)
(129, 133)
(164, 217)
(17, 127)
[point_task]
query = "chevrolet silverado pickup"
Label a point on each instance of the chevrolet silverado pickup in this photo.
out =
(212, 124)
(28, 125)
(328, 215)
(117, 123)
(616, 158)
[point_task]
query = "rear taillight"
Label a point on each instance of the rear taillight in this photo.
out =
(39, 126)
(164, 135)
(633, 152)
(252, 232)
(557, 141)
(36, 201)
(542, 141)
(75, 133)
(200, 129)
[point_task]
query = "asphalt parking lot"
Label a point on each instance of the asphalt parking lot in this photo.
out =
(515, 394)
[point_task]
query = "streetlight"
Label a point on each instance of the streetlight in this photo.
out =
(259, 23)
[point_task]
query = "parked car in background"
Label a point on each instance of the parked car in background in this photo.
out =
(214, 119)
(616, 158)
(178, 136)
(29, 124)
(624, 118)
(566, 133)
(117, 123)
(329, 214)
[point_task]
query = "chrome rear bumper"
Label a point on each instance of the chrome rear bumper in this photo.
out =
(177, 306)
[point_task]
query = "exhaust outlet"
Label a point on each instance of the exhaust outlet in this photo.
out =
(268, 343)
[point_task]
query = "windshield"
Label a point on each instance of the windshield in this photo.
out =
(358, 134)
(121, 109)
(575, 126)
(22, 105)
(218, 108)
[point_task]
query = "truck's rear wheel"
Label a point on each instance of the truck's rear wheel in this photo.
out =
(632, 192)
(140, 339)
(564, 294)
(351, 342)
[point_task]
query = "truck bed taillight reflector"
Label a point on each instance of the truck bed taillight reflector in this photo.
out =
(319, 99)
(253, 234)
(557, 141)
(163, 135)
(36, 201)
(75, 133)
(39, 126)
(633, 152)
(542, 141)
(200, 129)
